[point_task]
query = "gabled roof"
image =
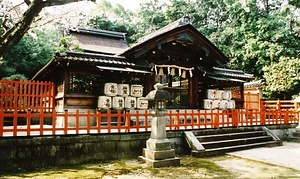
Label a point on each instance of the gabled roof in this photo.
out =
(178, 44)
(178, 39)
(100, 41)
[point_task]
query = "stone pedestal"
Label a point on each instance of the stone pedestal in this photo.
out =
(158, 152)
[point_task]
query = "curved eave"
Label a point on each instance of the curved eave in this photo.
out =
(88, 60)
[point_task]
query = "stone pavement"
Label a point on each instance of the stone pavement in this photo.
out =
(287, 155)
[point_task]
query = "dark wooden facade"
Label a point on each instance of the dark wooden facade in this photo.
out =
(177, 55)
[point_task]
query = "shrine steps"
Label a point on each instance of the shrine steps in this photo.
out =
(222, 141)
(296, 136)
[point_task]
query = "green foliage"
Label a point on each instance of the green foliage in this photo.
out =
(295, 3)
(255, 36)
(282, 78)
(114, 19)
(151, 17)
(29, 55)
(67, 43)
(16, 77)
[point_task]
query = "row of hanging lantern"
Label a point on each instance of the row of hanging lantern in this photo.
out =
(159, 70)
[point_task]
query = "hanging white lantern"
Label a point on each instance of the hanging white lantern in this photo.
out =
(172, 71)
(161, 71)
(183, 74)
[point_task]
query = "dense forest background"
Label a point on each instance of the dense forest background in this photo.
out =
(261, 37)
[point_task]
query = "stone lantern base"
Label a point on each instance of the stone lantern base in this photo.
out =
(158, 151)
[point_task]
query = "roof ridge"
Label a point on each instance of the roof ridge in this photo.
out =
(185, 20)
(86, 54)
(98, 32)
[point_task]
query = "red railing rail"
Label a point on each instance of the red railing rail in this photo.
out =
(24, 95)
(278, 104)
(43, 123)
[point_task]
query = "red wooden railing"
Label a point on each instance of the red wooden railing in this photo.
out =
(24, 95)
(27, 109)
(278, 104)
(52, 123)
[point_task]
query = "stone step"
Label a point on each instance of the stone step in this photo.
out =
(295, 139)
(226, 136)
(208, 143)
(236, 141)
(296, 134)
(223, 150)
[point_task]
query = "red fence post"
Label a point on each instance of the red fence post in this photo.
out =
(177, 120)
(108, 116)
(28, 124)
(99, 121)
(127, 121)
(235, 120)
(1, 121)
(15, 123)
(54, 117)
(41, 117)
(77, 121)
(66, 121)
(88, 121)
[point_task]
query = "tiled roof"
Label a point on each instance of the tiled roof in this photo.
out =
(89, 57)
(183, 32)
(180, 22)
(258, 83)
(214, 71)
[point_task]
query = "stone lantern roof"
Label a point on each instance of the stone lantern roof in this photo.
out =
(158, 94)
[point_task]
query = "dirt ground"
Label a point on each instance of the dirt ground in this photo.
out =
(190, 167)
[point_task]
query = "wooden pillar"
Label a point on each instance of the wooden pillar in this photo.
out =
(149, 82)
(193, 92)
(242, 93)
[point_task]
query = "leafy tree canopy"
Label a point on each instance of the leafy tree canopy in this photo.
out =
(282, 78)
(29, 55)
(113, 18)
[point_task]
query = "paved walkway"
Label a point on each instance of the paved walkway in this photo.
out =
(287, 155)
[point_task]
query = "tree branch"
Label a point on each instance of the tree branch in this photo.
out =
(12, 36)
(28, 2)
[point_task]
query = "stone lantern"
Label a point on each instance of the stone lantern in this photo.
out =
(158, 151)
